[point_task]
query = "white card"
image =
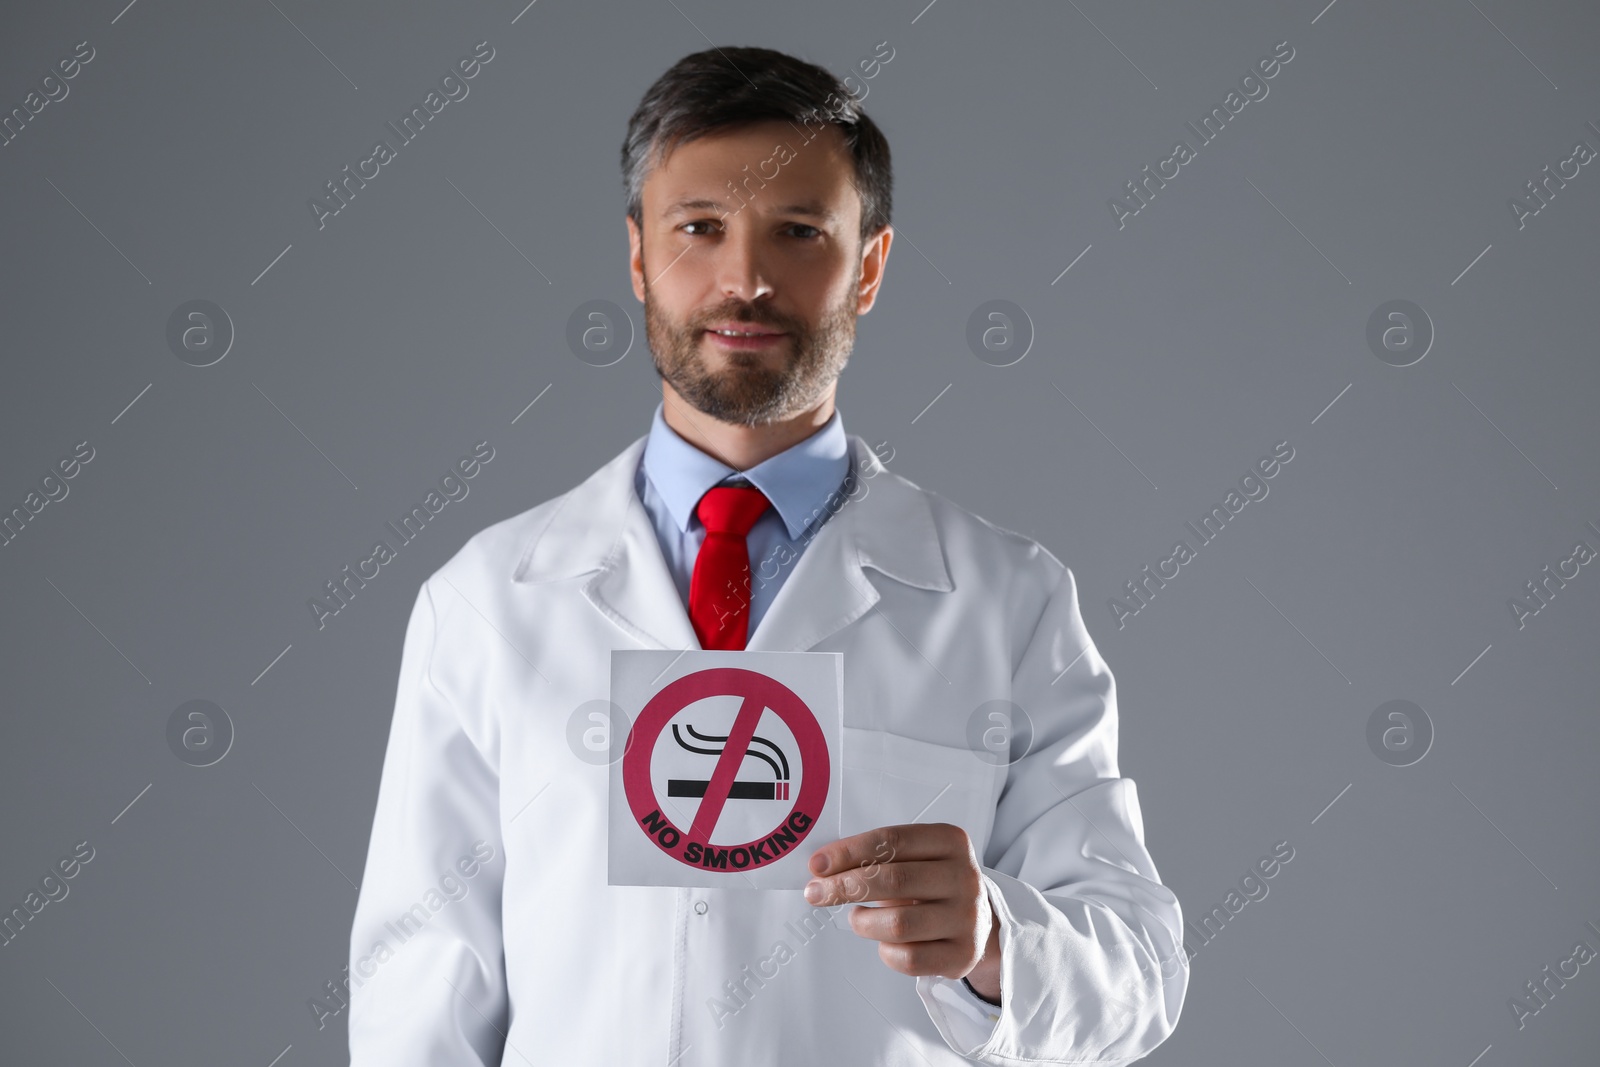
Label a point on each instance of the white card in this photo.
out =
(732, 770)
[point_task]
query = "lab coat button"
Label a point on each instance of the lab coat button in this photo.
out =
(700, 907)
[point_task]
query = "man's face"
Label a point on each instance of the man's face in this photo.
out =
(778, 254)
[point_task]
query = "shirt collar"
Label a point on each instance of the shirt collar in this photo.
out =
(797, 481)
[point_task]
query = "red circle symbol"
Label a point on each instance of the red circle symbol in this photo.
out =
(692, 846)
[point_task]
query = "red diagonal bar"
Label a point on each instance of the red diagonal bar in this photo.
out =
(710, 809)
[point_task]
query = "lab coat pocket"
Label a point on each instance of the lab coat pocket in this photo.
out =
(891, 779)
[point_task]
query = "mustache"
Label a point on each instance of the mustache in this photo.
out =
(745, 317)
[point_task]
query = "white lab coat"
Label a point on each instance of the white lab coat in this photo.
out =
(534, 958)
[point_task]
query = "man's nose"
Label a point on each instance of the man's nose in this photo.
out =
(741, 269)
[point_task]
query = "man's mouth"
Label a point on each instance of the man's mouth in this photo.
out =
(744, 337)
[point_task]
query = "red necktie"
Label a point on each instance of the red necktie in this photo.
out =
(719, 590)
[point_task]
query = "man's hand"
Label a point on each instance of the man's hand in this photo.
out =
(934, 917)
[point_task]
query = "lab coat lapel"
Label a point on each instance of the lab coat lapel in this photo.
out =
(601, 526)
(879, 522)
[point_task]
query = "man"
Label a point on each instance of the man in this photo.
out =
(1012, 915)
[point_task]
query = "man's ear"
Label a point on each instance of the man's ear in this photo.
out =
(874, 258)
(636, 257)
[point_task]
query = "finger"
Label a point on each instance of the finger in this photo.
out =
(883, 844)
(900, 924)
(911, 880)
(947, 958)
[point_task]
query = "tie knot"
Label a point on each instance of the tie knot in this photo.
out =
(731, 509)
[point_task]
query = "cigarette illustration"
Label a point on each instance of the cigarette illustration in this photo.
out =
(777, 789)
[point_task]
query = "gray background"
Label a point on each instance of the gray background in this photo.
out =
(1225, 317)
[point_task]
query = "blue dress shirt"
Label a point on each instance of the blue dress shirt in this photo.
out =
(673, 475)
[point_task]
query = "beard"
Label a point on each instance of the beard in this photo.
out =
(748, 391)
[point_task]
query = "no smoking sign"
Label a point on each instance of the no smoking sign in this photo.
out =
(731, 772)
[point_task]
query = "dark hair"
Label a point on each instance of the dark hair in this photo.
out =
(726, 88)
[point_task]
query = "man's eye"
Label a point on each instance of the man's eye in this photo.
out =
(810, 233)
